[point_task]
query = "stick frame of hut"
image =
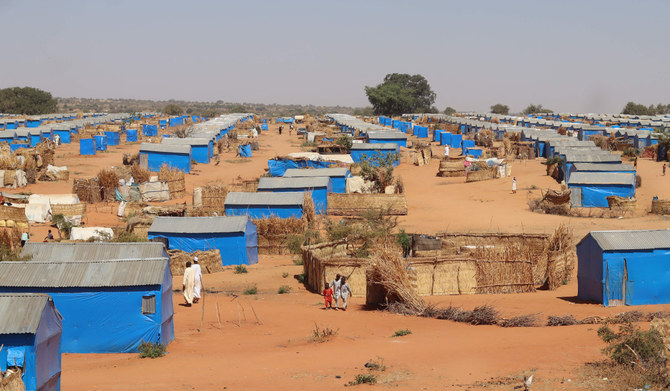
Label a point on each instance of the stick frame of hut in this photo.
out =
(354, 204)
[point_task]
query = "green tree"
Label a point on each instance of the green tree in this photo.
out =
(500, 108)
(237, 108)
(26, 100)
(173, 109)
(401, 93)
(449, 110)
(533, 109)
(633, 108)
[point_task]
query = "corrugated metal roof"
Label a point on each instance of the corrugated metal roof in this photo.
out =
(305, 172)
(268, 183)
(72, 274)
(384, 135)
(265, 198)
(59, 252)
(185, 141)
(603, 167)
(165, 148)
(632, 240)
(221, 224)
(591, 157)
(368, 146)
(602, 178)
(20, 313)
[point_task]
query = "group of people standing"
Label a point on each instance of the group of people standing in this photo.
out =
(337, 289)
(192, 283)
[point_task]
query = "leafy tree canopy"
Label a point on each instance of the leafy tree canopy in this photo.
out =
(173, 109)
(401, 93)
(26, 100)
(449, 110)
(633, 108)
(534, 109)
(499, 108)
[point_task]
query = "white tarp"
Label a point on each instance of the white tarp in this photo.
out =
(55, 173)
(197, 197)
(85, 233)
(17, 179)
(61, 199)
(154, 191)
(38, 211)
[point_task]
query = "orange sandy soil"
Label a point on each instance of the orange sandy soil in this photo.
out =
(277, 353)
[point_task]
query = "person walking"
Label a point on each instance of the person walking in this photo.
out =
(50, 236)
(197, 283)
(446, 151)
(336, 290)
(281, 127)
(188, 283)
(664, 167)
(24, 238)
(345, 291)
(514, 185)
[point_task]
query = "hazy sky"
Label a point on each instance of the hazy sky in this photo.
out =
(586, 56)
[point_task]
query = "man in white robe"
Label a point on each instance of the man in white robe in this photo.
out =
(198, 279)
(188, 283)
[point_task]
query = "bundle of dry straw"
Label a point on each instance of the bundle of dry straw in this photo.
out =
(108, 181)
(175, 180)
(140, 175)
(277, 226)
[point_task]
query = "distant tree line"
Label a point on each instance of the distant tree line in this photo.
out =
(27, 101)
(633, 108)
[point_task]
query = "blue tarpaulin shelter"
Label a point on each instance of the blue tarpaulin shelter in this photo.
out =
(30, 334)
(235, 237)
(153, 156)
(13, 147)
(338, 176)
(7, 136)
(437, 133)
(600, 167)
(266, 204)
(107, 306)
(385, 137)
(624, 267)
(86, 146)
(445, 138)
(151, 130)
(201, 148)
(318, 187)
(63, 135)
(595, 187)
(455, 140)
(370, 152)
(244, 150)
(34, 136)
(278, 166)
(131, 135)
(113, 138)
(100, 142)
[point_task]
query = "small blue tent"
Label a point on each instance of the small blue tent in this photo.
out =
(107, 306)
(34, 136)
(384, 137)
(266, 204)
(235, 237)
(624, 267)
(591, 189)
(445, 138)
(131, 135)
(30, 334)
(86, 146)
(337, 175)
(201, 148)
(371, 152)
(153, 156)
(278, 166)
(456, 140)
(600, 167)
(63, 134)
(244, 150)
(7, 136)
(113, 138)
(100, 142)
(318, 187)
(151, 130)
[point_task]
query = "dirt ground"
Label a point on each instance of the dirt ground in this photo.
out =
(264, 340)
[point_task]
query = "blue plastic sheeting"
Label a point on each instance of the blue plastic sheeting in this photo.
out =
(445, 138)
(595, 196)
(155, 160)
(14, 147)
(359, 155)
(633, 277)
(436, 134)
(200, 153)
(113, 138)
(162, 123)
(31, 123)
(244, 150)
(110, 320)
(278, 167)
(264, 126)
(261, 212)
(422, 132)
(35, 139)
(11, 125)
(86, 146)
(239, 248)
(319, 195)
(40, 352)
(151, 130)
(468, 143)
(474, 152)
(131, 135)
(64, 136)
(100, 143)
(5, 139)
(456, 140)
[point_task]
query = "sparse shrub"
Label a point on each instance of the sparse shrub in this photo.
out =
(7, 254)
(62, 224)
(363, 378)
(567, 320)
(298, 261)
(376, 365)
(529, 320)
(629, 317)
(402, 333)
(484, 315)
(457, 314)
(240, 269)
(284, 289)
(300, 277)
(251, 291)
(151, 350)
(320, 335)
(284, 274)
(405, 241)
(127, 237)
